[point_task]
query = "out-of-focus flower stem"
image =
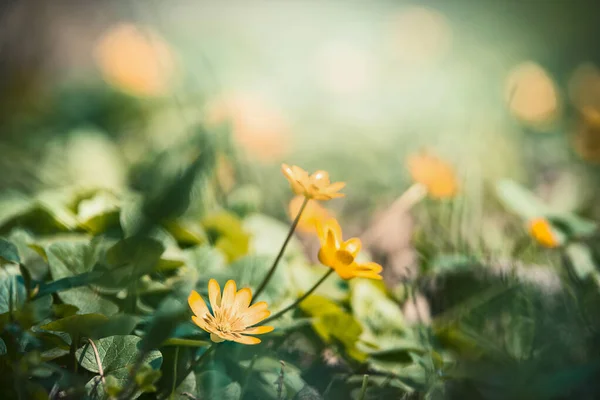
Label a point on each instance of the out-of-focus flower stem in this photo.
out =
(300, 299)
(269, 275)
(179, 379)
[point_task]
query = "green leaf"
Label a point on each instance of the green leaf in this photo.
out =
(46, 215)
(186, 232)
(268, 364)
(35, 264)
(244, 200)
(205, 260)
(9, 252)
(374, 309)
(519, 200)
(78, 325)
(581, 260)
(67, 259)
(69, 283)
(267, 236)
(88, 301)
(171, 312)
(12, 289)
(146, 377)
(99, 213)
(249, 271)
(133, 257)
(227, 233)
(117, 354)
(118, 324)
(332, 323)
(215, 385)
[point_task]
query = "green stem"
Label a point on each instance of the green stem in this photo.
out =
(175, 371)
(363, 389)
(300, 300)
(247, 376)
(193, 365)
(269, 275)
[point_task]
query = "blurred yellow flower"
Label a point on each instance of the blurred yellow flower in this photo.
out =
(435, 174)
(586, 137)
(232, 316)
(258, 126)
(541, 230)
(138, 62)
(316, 186)
(313, 214)
(531, 94)
(341, 256)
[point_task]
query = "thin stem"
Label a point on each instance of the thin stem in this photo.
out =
(363, 389)
(247, 375)
(98, 361)
(299, 300)
(175, 370)
(269, 275)
(190, 369)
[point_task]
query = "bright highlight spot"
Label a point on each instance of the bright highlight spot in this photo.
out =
(344, 68)
(420, 35)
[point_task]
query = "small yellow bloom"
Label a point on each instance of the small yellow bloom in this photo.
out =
(316, 186)
(341, 256)
(436, 175)
(313, 214)
(232, 316)
(541, 230)
(136, 60)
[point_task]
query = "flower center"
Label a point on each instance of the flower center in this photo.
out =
(224, 328)
(344, 257)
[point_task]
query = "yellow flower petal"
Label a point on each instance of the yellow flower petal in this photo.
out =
(228, 295)
(214, 294)
(541, 230)
(370, 266)
(201, 324)
(197, 304)
(352, 246)
(316, 186)
(313, 214)
(246, 339)
(253, 317)
(232, 315)
(242, 300)
(216, 338)
(434, 173)
(259, 330)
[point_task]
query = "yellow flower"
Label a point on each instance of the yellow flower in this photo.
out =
(135, 60)
(541, 231)
(341, 256)
(258, 126)
(313, 214)
(316, 186)
(232, 316)
(436, 175)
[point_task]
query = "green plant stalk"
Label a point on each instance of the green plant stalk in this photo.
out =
(269, 274)
(363, 389)
(190, 369)
(300, 299)
(247, 375)
(175, 372)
